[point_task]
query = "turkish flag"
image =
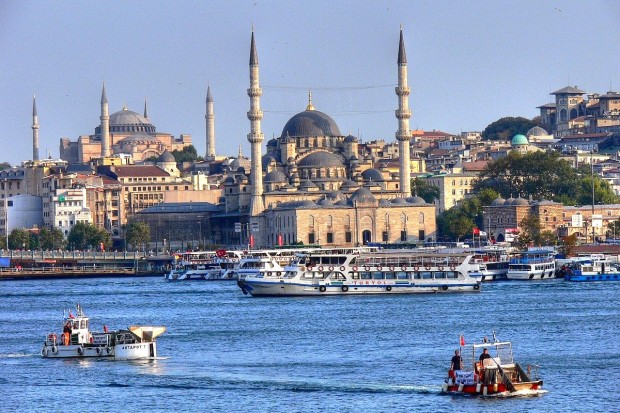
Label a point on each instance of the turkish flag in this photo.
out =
(476, 231)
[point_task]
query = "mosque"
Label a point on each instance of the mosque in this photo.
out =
(122, 132)
(316, 185)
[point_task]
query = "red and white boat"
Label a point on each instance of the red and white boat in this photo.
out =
(496, 374)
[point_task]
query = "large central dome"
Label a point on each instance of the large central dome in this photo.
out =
(310, 123)
(129, 121)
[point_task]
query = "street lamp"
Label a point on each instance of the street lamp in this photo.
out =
(6, 216)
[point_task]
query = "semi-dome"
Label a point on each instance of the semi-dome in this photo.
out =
(138, 139)
(372, 175)
(310, 123)
(275, 177)
(537, 131)
(307, 185)
(348, 184)
(267, 159)
(272, 142)
(320, 159)
(519, 140)
(325, 202)
(127, 121)
(239, 163)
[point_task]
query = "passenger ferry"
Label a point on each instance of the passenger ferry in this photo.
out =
(493, 263)
(593, 269)
(206, 265)
(268, 262)
(497, 373)
(77, 341)
(366, 270)
(533, 264)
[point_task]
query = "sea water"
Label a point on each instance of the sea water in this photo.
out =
(227, 352)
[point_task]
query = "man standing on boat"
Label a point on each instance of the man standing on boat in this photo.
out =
(457, 361)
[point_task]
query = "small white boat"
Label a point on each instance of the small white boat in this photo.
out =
(533, 264)
(206, 266)
(364, 270)
(493, 263)
(77, 341)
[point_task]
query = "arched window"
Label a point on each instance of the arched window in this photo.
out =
(421, 218)
(573, 113)
(329, 220)
(563, 115)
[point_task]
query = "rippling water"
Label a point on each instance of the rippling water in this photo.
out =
(224, 351)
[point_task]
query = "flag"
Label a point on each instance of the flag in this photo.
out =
(71, 315)
(462, 340)
(251, 241)
(105, 328)
(476, 231)
(280, 240)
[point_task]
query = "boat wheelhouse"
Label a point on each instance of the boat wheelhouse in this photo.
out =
(491, 374)
(77, 341)
(533, 264)
(366, 270)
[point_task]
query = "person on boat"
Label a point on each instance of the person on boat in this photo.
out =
(485, 355)
(457, 361)
(66, 333)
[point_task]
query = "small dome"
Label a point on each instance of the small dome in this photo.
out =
(384, 202)
(363, 196)
(399, 201)
(350, 139)
(229, 181)
(519, 140)
(310, 123)
(325, 202)
(320, 159)
(416, 200)
(275, 177)
(239, 163)
(498, 201)
(307, 184)
(348, 184)
(267, 159)
(372, 175)
(336, 195)
(272, 142)
(520, 201)
(537, 131)
(166, 157)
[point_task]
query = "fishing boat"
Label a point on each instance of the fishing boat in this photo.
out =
(366, 270)
(77, 341)
(592, 269)
(205, 266)
(494, 373)
(533, 264)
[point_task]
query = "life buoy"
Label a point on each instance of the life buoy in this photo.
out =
(416, 267)
(354, 268)
(378, 268)
(320, 268)
(391, 268)
(342, 268)
(344, 288)
(108, 350)
(428, 267)
(440, 268)
(322, 288)
(476, 287)
(367, 268)
(331, 268)
(388, 288)
(44, 352)
(54, 350)
(404, 268)
(80, 351)
(444, 287)
(98, 351)
(453, 267)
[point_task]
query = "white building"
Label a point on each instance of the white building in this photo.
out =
(24, 211)
(69, 207)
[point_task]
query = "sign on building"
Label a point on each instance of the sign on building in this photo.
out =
(254, 226)
(576, 220)
(237, 226)
(597, 221)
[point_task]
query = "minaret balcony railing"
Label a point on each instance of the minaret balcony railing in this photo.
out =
(253, 116)
(255, 91)
(402, 90)
(403, 113)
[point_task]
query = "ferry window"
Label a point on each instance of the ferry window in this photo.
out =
(401, 275)
(377, 275)
(427, 275)
(365, 275)
(355, 275)
(452, 274)
(440, 274)
(390, 276)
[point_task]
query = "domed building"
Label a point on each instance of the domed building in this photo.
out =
(128, 132)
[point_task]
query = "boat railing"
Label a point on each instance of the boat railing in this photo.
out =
(538, 260)
(409, 261)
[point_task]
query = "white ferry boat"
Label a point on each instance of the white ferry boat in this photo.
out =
(533, 264)
(77, 341)
(268, 262)
(366, 271)
(493, 263)
(206, 266)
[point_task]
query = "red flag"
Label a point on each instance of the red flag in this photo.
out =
(105, 328)
(476, 231)
(71, 315)
(251, 241)
(462, 340)
(280, 240)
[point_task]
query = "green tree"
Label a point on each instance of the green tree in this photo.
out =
(568, 244)
(51, 239)
(505, 129)
(5, 165)
(425, 190)
(486, 196)
(614, 228)
(85, 235)
(137, 233)
(21, 239)
(187, 154)
(530, 232)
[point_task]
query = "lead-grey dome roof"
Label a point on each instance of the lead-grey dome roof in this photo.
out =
(363, 195)
(138, 138)
(166, 156)
(320, 159)
(125, 121)
(275, 176)
(310, 123)
(498, 201)
(416, 200)
(372, 175)
(536, 131)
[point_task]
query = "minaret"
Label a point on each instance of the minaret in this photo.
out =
(403, 135)
(35, 130)
(105, 125)
(210, 118)
(255, 137)
(146, 112)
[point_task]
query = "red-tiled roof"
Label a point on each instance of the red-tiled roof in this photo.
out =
(475, 165)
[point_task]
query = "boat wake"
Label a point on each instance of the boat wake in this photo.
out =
(520, 393)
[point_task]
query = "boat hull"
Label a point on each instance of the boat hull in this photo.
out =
(265, 288)
(480, 389)
(592, 277)
(119, 352)
(530, 275)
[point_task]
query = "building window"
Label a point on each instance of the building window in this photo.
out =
(384, 236)
(403, 236)
(348, 236)
(330, 237)
(421, 235)
(421, 218)
(311, 238)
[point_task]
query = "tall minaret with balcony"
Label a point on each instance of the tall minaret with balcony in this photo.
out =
(210, 119)
(403, 135)
(35, 130)
(105, 125)
(255, 137)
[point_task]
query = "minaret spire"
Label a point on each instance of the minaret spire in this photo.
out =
(255, 137)
(210, 119)
(403, 135)
(105, 125)
(146, 112)
(35, 130)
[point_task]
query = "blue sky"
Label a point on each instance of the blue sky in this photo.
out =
(470, 63)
